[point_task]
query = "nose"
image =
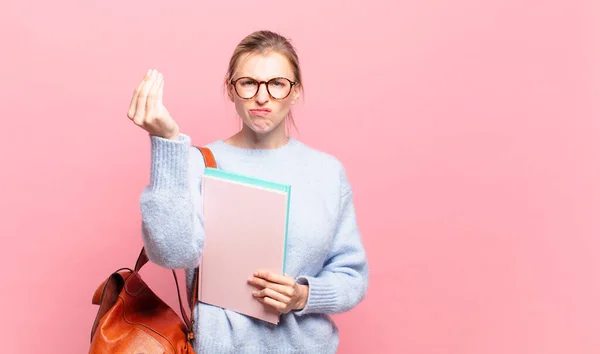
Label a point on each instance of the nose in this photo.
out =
(262, 96)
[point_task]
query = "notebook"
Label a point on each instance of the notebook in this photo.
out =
(245, 223)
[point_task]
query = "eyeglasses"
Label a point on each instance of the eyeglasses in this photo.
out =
(278, 88)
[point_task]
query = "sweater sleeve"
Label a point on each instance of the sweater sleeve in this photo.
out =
(172, 225)
(342, 283)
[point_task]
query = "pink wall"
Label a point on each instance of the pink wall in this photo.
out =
(470, 131)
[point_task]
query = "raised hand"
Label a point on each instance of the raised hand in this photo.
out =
(278, 291)
(147, 110)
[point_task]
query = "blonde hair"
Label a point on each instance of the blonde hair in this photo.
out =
(262, 42)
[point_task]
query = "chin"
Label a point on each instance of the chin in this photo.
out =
(261, 127)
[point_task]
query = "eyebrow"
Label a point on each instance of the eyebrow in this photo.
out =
(254, 78)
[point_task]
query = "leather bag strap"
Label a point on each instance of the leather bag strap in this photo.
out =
(209, 161)
(209, 158)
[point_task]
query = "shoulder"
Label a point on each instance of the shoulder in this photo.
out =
(317, 155)
(324, 163)
(196, 156)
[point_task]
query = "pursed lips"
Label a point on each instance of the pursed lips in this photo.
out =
(260, 111)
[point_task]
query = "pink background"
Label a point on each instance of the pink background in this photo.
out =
(470, 131)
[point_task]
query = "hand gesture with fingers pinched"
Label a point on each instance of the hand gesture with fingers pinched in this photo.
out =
(147, 110)
(281, 292)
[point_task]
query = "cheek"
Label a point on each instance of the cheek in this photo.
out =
(240, 107)
(284, 106)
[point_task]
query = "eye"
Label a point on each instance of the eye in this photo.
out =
(279, 83)
(247, 83)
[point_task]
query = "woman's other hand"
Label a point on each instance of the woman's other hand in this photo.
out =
(147, 110)
(281, 292)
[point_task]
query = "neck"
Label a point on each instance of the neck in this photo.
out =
(249, 139)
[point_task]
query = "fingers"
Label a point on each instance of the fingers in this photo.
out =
(160, 90)
(133, 103)
(140, 113)
(286, 290)
(151, 100)
(141, 108)
(277, 291)
(277, 305)
(136, 93)
(270, 293)
(275, 278)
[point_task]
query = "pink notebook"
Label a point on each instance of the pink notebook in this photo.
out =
(245, 222)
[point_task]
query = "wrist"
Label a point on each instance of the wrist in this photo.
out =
(303, 297)
(173, 136)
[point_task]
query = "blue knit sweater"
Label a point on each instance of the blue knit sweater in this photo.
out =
(325, 250)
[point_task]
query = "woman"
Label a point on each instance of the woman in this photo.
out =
(326, 261)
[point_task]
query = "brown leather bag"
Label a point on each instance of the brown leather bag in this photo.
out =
(132, 319)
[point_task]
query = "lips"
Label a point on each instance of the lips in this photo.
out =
(261, 112)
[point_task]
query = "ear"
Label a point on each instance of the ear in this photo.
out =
(295, 93)
(229, 91)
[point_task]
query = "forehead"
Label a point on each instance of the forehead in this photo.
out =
(264, 66)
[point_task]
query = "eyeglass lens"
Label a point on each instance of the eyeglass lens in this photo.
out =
(278, 88)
